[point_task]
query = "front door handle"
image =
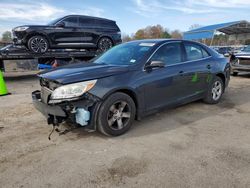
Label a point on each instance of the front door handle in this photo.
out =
(208, 66)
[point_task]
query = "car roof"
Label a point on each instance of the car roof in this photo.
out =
(158, 41)
(91, 17)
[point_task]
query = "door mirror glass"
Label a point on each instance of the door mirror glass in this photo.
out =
(155, 64)
(60, 24)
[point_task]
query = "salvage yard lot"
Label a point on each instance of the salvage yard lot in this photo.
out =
(195, 145)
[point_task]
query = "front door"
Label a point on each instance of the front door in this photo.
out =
(69, 35)
(165, 85)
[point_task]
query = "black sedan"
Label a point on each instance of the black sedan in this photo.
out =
(130, 81)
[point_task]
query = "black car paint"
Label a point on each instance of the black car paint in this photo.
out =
(85, 71)
(151, 89)
(63, 37)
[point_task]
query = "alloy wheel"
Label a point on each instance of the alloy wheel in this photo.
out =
(105, 44)
(216, 90)
(38, 45)
(119, 115)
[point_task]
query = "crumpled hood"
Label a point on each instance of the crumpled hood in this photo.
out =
(81, 72)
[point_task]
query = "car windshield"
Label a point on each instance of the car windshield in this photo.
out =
(125, 54)
(53, 22)
(246, 49)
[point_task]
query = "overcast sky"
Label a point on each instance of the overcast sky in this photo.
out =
(129, 14)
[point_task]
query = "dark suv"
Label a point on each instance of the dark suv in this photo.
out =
(73, 31)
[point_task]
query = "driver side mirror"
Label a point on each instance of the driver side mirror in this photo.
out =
(60, 24)
(155, 64)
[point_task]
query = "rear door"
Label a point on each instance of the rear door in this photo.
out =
(88, 30)
(196, 69)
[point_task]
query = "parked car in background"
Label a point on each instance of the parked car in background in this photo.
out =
(216, 48)
(130, 81)
(226, 51)
(73, 31)
(240, 62)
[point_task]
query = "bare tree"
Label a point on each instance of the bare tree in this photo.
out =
(126, 38)
(176, 34)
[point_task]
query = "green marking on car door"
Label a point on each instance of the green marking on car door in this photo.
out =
(198, 92)
(209, 78)
(195, 77)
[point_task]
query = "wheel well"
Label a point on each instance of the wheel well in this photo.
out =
(36, 34)
(222, 76)
(106, 37)
(132, 95)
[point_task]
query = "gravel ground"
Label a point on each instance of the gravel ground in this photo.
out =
(195, 145)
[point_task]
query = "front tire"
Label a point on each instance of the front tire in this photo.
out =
(104, 44)
(116, 114)
(215, 91)
(38, 44)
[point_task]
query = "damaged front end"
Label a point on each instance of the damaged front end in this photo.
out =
(71, 103)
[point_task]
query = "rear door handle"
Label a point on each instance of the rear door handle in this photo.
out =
(208, 66)
(181, 73)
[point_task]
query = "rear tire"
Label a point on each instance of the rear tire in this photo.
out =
(215, 91)
(116, 114)
(38, 44)
(104, 44)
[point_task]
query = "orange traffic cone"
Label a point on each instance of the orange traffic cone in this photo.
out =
(55, 64)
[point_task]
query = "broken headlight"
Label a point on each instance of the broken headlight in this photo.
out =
(72, 90)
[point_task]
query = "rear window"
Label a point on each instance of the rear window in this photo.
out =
(95, 23)
(205, 53)
(86, 22)
(105, 23)
(195, 52)
(246, 49)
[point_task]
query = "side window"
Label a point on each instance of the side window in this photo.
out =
(105, 23)
(85, 22)
(110, 24)
(169, 54)
(195, 52)
(205, 53)
(71, 22)
(99, 23)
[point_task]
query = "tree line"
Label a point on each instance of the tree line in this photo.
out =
(158, 31)
(6, 37)
(152, 32)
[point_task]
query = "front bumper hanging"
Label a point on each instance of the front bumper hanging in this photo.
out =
(46, 109)
(82, 112)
